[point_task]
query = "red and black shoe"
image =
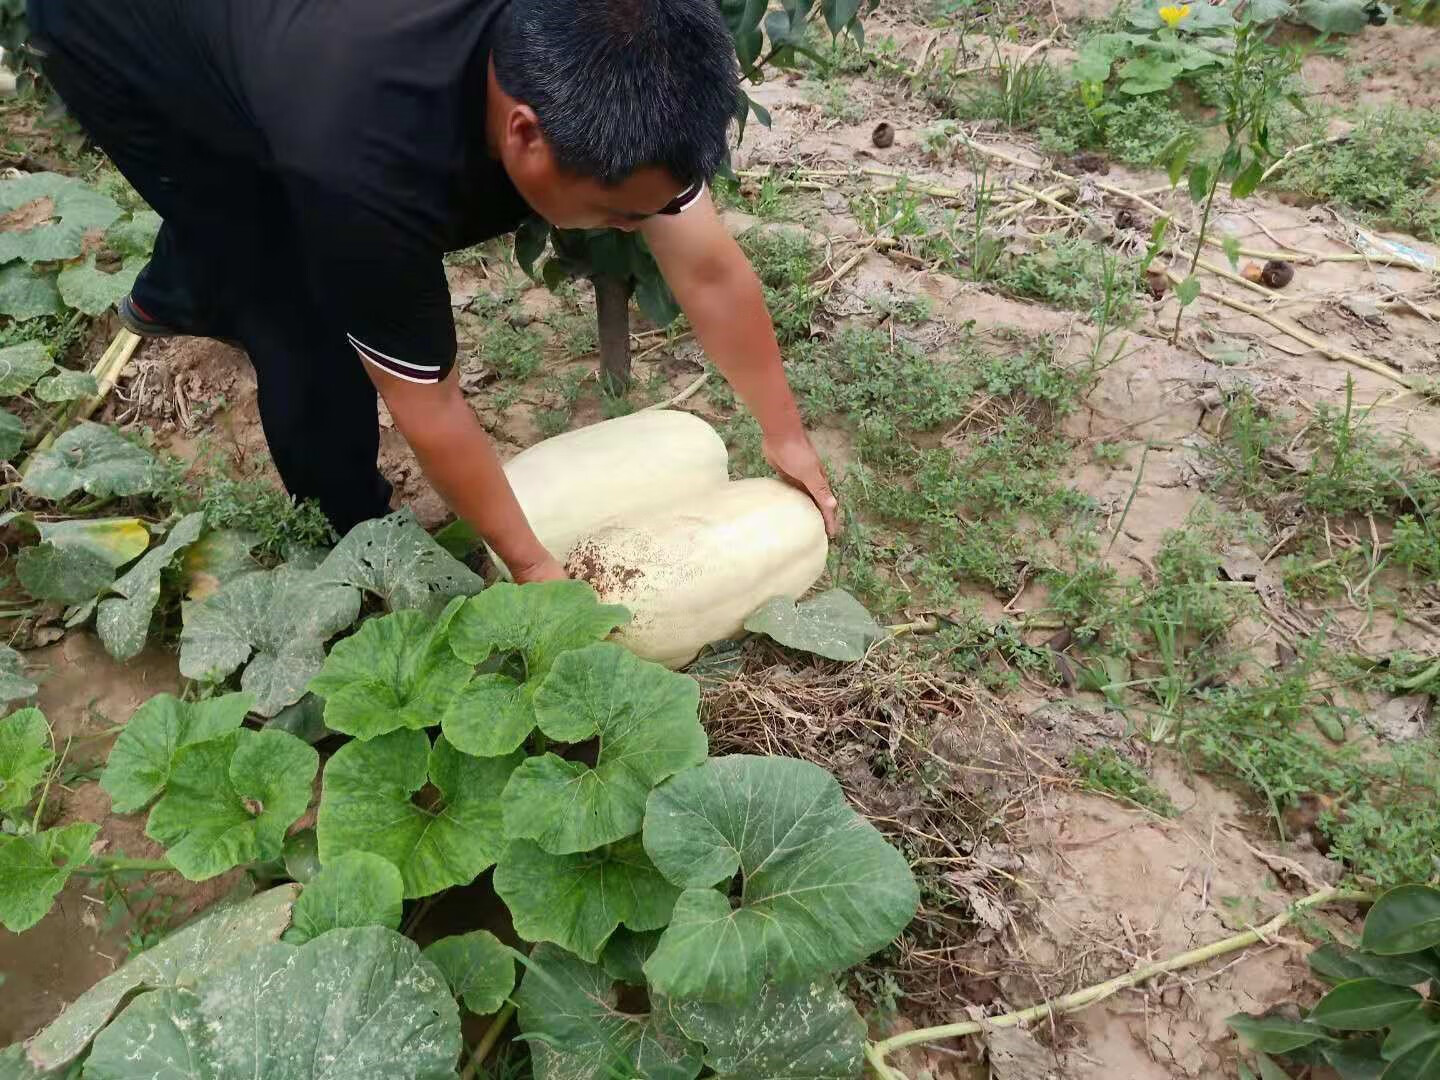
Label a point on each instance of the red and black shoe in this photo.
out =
(139, 322)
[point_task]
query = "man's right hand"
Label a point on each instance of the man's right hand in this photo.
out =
(546, 569)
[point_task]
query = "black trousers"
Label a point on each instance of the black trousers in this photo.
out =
(227, 264)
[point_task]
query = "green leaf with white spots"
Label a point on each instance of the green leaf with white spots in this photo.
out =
(94, 459)
(15, 685)
(354, 889)
(387, 1015)
(229, 800)
(647, 720)
(822, 889)
(397, 671)
(21, 365)
(834, 625)
(25, 757)
(533, 625)
(570, 1011)
(398, 561)
(28, 293)
(66, 385)
(144, 754)
(215, 560)
(34, 868)
(809, 1030)
(479, 968)
(367, 805)
(70, 575)
(210, 943)
(278, 621)
(59, 210)
(123, 623)
(12, 434)
(578, 900)
(136, 234)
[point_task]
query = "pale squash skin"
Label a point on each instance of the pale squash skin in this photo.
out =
(616, 471)
(692, 573)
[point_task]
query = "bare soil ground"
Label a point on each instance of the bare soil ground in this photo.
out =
(1045, 888)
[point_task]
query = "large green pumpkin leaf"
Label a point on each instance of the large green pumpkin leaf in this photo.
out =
(578, 900)
(569, 1009)
(367, 805)
(26, 292)
(66, 385)
(283, 616)
(15, 685)
(206, 945)
(229, 800)
(116, 540)
(70, 575)
(803, 1030)
(398, 561)
(92, 458)
(1364, 1005)
(1404, 920)
(14, 1065)
(25, 757)
(354, 1004)
(625, 954)
(124, 622)
(215, 560)
(834, 625)
(354, 889)
(536, 623)
(1334, 16)
(85, 287)
(821, 888)
(61, 209)
(21, 365)
(647, 719)
(395, 672)
(143, 755)
(34, 868)
(478, 966)
(12, 434)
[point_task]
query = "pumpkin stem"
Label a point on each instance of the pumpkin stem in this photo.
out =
(612, 317)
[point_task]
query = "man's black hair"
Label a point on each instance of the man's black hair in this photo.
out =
(621, 85)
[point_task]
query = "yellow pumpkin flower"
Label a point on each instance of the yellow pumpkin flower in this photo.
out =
(1175, 14)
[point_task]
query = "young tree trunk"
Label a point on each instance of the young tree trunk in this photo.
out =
(612, 316)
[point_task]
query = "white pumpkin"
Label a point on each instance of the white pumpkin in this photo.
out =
(692, 573)
(618, 470)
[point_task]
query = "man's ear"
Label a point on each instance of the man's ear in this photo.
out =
(522, 134)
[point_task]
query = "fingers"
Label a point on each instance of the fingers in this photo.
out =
(829, 506)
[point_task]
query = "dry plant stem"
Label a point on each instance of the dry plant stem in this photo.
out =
(107, 372)
(1303, 336)
(876, 1053)
(682, 397)
(488, 1040)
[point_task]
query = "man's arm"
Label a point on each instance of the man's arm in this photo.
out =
(459, 459)
(723, 299)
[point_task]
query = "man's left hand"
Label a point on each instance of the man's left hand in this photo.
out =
(793, 457)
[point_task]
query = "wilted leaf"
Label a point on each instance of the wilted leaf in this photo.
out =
(206, 945)
(1334, 16)
(1274, 1034)
(25, 757)
(478, 967)
(75, 208)
(216, 559)
(647, 720)
(34, 868)
(28, 293)
(386, 1015)
(116, 540)
(94, 459)
(1404, 920)
(124, 624)
(822, 888)
(577, 901)
(394, 558)
(71, 575)
(834, 625)
(367, 805)
(284, 617)
(354, 889)
(804, 1030)
(495, 712)
(21, 365)
(144, 754)
(229, 800)
(1364, 1005)
(581, 1033)
(15, 685)
(66, 385)
(397, 671)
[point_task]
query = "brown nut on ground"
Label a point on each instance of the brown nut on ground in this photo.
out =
(1277, 273)
(883, 136)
